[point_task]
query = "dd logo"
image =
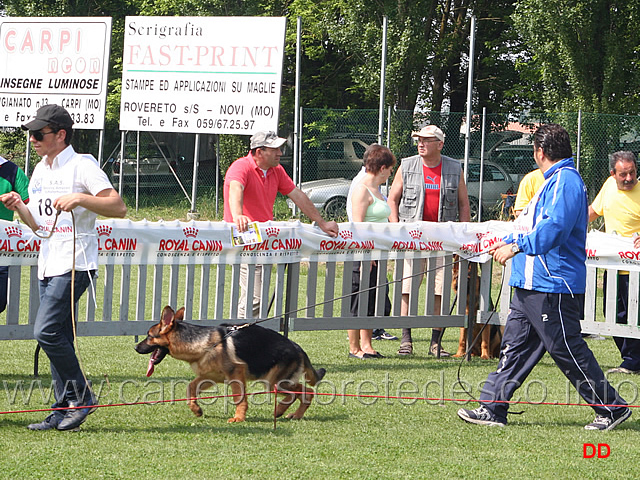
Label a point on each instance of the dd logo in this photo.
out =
(589, 450)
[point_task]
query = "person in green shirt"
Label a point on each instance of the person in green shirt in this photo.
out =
(12, 179)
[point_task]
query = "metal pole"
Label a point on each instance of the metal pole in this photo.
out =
(484, 123)
(137, 167)
(467, 140)
(301, 133)
(388, 138)
(217, 174)
(389, 127)
(299, 148)
(101, 147)
(193, 213)
(296, 113)
(122, 139)
(383, 69)
(579, 140)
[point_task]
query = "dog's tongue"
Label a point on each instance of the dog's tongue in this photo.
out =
(150, 367)
(152, 362)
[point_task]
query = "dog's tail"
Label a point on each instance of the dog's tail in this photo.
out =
(311, 375)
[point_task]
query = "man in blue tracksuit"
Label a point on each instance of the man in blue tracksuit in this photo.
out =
(548, 276)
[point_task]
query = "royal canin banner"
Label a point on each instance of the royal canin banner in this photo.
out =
(181, 243)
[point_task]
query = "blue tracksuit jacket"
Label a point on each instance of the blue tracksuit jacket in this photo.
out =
(553, 256)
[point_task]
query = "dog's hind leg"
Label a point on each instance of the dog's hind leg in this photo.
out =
(305, 396)
(462, 343)
(485, 342)
(287, 399)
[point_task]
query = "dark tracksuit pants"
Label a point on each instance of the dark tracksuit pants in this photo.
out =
(546, 322)
(629, 347)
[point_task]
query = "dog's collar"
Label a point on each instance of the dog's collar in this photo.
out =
(235, 328)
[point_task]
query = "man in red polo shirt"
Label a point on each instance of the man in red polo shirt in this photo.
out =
(250, 188)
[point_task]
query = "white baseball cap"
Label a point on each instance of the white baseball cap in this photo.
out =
(430, 131)
(266, 139)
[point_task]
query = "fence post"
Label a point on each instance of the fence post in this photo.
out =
(578, 146)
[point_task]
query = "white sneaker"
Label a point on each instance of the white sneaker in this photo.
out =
(623, 370)
(480, 416)
(602, 422)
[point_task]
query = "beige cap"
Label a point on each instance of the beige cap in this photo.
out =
(266, 139)
(430, 131)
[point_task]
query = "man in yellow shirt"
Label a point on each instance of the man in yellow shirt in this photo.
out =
(619, 203)
(528, 187)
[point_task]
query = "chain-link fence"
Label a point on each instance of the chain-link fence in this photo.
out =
(158, 167)
(333, 143)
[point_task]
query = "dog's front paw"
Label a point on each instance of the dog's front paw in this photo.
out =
(235, 420)
(294, 416)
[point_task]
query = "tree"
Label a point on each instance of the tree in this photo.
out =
(428, 44)
(584, 52)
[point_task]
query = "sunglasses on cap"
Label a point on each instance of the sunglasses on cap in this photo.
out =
(39, 134)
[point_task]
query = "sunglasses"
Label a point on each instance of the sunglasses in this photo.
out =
(39, 134)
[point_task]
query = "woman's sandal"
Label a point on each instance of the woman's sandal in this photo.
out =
(406, 349)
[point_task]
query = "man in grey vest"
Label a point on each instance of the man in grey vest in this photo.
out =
(427, 187)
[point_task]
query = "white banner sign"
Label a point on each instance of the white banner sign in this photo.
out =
(202, 74)
(63, 61)
(181, 243)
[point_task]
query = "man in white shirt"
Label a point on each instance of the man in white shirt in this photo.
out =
(67, 192)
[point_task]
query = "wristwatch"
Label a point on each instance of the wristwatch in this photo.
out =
(514, 248)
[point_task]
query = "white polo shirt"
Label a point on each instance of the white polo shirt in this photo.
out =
(69, 172)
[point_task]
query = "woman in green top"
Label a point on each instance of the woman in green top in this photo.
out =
(369, 205)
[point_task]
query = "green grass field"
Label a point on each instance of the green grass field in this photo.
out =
(340, 437)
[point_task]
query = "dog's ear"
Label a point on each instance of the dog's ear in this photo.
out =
(167, 315)
(179, 316)
(167, 319)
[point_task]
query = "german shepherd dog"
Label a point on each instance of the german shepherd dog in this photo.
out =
(226, 354)
(489, 346)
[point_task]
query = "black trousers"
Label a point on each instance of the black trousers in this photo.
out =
(372, 294)
(541, 322)
(629, 347)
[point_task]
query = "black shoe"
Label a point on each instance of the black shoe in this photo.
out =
(76, 416)
(373, 355)
(48, 423)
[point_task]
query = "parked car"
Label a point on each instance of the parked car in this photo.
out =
(516, 159)
(329, 195)
(333, 158)
(496, 182)
(158, 162)
(514, 153)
